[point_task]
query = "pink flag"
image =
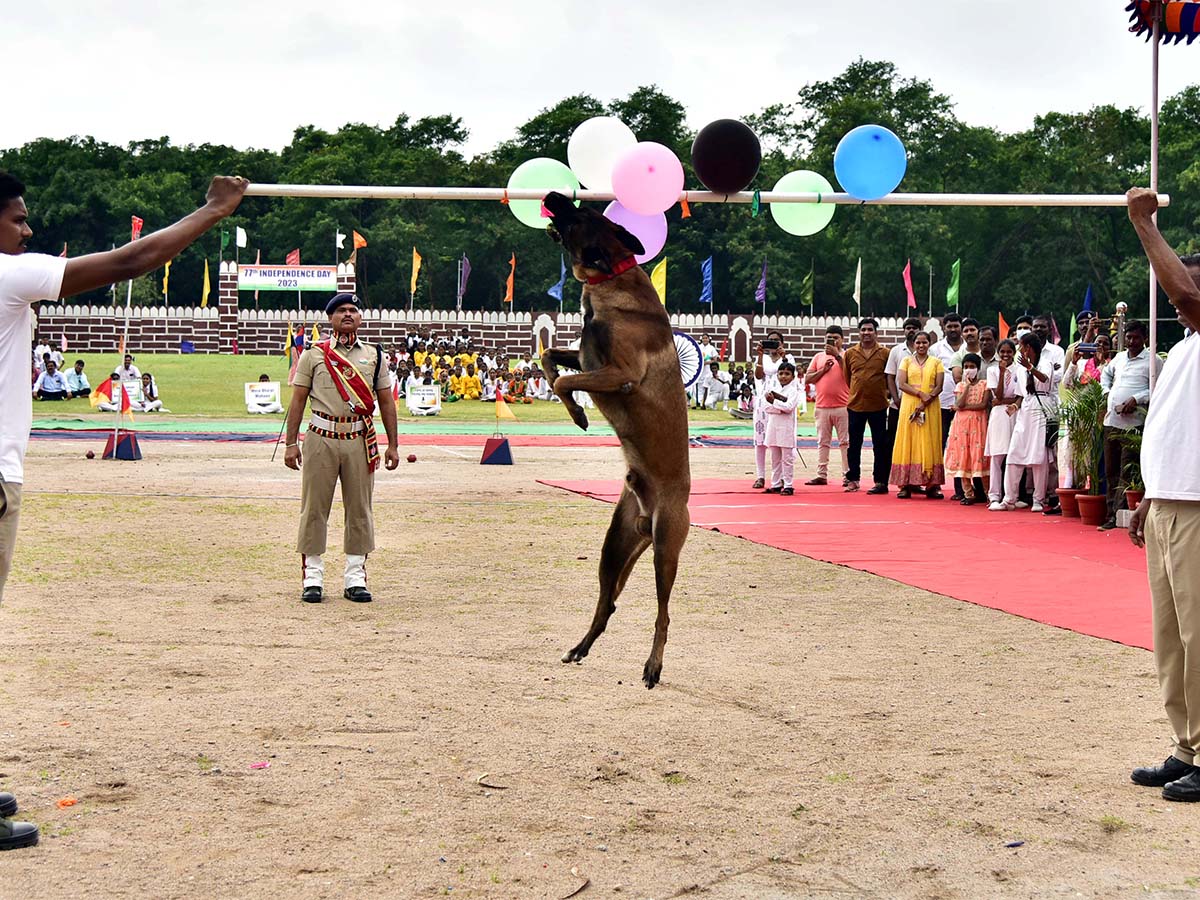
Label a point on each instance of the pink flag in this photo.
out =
(63, 343)
(912, 300)
(135, 226)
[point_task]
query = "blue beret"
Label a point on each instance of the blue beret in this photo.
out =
(339, 300)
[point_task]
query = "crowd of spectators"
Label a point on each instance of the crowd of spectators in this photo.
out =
(963, 408)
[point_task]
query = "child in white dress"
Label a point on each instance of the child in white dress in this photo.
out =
(780, 403)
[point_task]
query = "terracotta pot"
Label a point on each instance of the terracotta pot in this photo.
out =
(1093, 508)
(1066, 498)
(1133, 498)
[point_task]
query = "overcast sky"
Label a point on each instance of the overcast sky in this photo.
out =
(247, 73)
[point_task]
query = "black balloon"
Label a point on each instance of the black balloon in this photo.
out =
(726, 155)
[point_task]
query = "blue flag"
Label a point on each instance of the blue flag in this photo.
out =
(706, 292)
(1087, 301)
(760, 293)
(556, 290)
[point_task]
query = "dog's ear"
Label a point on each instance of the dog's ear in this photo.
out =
(631, 243)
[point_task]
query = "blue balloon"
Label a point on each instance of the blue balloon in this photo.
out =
(870, 162)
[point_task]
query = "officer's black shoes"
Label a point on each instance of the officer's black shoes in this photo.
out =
(8, 805)
(1158, 776)
(15, 835)
(357, 594)
(312, 594)
(1185, 789)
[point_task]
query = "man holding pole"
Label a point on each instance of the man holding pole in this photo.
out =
(1167, 522)
(27, 278)
(344, 378)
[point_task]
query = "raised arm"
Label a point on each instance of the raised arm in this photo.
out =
(86, 273)
(1171, 273)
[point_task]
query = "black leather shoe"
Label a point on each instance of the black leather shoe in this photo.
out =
(8, 805)
(878, 489)
(15, 835)
(357, 594)
(312, 594)
(1157, 776)
(1185, 789)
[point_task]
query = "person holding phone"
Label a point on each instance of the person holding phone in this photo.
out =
(825, 372)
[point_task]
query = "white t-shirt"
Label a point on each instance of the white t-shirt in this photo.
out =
(945, 354)
(896, 355)
(25, 278)
(1170, 461)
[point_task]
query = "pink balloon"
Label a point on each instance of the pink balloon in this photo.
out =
(647, 178)
(650, 230)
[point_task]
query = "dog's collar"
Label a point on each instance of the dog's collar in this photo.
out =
(619, 269)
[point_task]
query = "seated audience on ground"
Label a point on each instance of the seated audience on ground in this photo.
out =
(472, 386)
(114, 404)
(150, 401)
(267, 407)
(128, 371)
(538, 385)
(77, 382)
(51, 384)
(714, 386)
(447, 390)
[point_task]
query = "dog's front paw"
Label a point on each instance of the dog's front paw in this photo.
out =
(579, 417)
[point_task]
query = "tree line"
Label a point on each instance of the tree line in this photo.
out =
(83, 191)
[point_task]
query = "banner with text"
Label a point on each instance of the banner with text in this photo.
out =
(287, 278)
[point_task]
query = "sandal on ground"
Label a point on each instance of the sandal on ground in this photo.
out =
(759, 484)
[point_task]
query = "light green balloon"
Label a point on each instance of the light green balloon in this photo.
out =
(803, 218)
(542, 174)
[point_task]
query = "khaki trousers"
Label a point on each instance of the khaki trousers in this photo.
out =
(827, 420)
(1173, 562)
(327, 461)
(10, 512)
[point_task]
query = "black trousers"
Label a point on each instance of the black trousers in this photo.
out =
(44, 394)
(881, 444)
(947, 421)
(1117, 458)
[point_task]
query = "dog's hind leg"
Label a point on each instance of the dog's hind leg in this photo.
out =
(670, 531)
(628, 537)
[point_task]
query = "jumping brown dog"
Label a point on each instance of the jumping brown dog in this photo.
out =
(628, 363)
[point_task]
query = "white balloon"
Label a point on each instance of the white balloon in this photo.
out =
(594, 147)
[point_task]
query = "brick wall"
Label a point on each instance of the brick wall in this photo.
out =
(98, 329)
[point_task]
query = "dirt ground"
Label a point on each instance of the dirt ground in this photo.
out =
(818, 732)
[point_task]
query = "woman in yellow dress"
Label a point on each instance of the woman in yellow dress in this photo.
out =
(917, 449)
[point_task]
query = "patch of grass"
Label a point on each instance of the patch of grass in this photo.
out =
(1111, 824)
(205, 763)
(837, 777)
(674, 777)
(799, 811)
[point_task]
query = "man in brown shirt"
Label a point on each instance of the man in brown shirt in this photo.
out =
(342, 378)
(864, 366)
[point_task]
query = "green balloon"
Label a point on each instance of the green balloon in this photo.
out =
(803, 218)
(541, 174)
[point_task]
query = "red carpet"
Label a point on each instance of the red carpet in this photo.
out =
(1051, 570)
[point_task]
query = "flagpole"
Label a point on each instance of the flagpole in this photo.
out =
(458, 287)
(931, 291)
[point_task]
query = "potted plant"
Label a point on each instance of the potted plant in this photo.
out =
(1135, 488)
(1082, 414)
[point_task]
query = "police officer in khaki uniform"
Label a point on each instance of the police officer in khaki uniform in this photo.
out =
(344, 379)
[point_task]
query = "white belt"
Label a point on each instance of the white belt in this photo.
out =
(342, 427)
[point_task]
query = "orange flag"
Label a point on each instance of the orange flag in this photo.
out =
(502, 410)
(508, 284)
(1003, 327)
(359, 240)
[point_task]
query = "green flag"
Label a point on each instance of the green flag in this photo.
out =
(952, 291)
(224, 240)
(806, 288)
(1074, 332)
